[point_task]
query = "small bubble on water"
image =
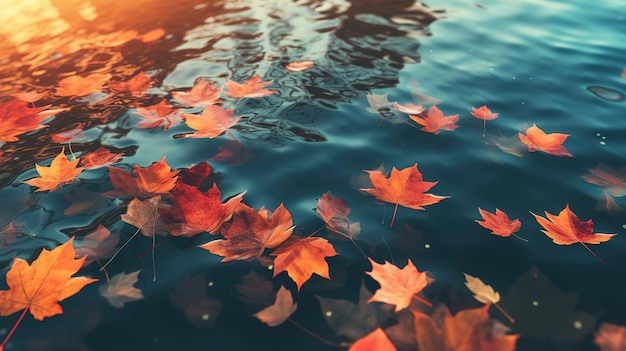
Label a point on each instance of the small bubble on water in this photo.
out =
(270, 267)
(535, 303)
(205, 317)
(597, 134)
(427, 246)
(578, 325)
(623, 226)
(603, 138)
(210, 284)
(328, 313)
(602, 143)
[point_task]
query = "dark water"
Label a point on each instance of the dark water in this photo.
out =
(556, 64)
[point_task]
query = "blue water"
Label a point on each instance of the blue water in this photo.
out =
(550, 63)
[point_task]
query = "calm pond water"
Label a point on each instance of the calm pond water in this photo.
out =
(557, 64)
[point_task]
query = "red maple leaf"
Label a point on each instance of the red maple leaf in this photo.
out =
(147, 182)
(435, 121)
(537, 140)
(499, 223)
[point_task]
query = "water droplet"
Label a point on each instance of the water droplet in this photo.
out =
(607, 94)
(604, 138)
(535, 303)
(328, 313)
(270, 267)
(210, 284)
(427, 246)
(602, 143)
(578, 325)
(623, 226)
(205, 317)
(597, 134)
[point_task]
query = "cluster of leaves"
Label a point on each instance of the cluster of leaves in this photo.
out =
(188, 202)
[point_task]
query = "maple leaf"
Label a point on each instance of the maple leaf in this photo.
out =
(613, 180)
(135, 86)
(84, 201)
(214, 121)
(377, 102)
(251, 88)
(61, 171)
(99, 158)
(39, 286)
(256, 290)
(16, 118)
(397, 286)
(483, 113)
(567, 229)
(159, 115)
(376, 340)
(96, 245)
(299, 66)
(301, 257)
(537, 140)
(152, 35)
(68, 136)
(334, 213)
(610, 337)
(233, 152)
(251, 232)
(499, 223)
(484, 293)
(30, 96)
(275, 314)
(202, 211)
(144, 215)
(409, 109)
(405, 187)
(149, 181)
(468, 330)
(435, 121)
(202, 93)
(74, 86)
(200, 175)
(120, 289)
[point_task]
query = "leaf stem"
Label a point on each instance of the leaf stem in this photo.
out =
(425, 302)
(591, 252)
(119, 250)
(19, 320)
(508, 316)
(519, 237)
(316, 230)
(393, 217)
(342, 344)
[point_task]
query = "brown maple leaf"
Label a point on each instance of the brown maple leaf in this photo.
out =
(74, 86)
(120, 289)
(468, 330)
(135, 86)
(275, 314)
(405, 187)
(397, 286)
(39, 286)
(202, 93)
(159, 115)
(435, 121)
(251, 88)
(499, 223)
(144, 215)
(334, 213)
(96, 245)
(99, 158)
(537, 140)
(613, 180)
(214, 121)
(567, 229)
(301, 257)
(149, 181)
(61, 171)
(201, 211)
(251, 232)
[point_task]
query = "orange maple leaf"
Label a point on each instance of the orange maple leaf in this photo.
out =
(405, 187)
(376, 340)
(74, 86)
(159, 115)
(201, 211)
(149, 181)
(61, 171)
(612, 179)
(253, 87)
(397, 286)
(251, 232)
(278, 312)
(483, 113)
(499, 223)
(40, 286)
(301, 257)
(214, 121)
(99, 158)
(468, 330)
(202, 93)
(409, 109)
(16, 118)
(135, 86)
(537, 140)
(299, 66)
(567, 229)
(435, 121)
